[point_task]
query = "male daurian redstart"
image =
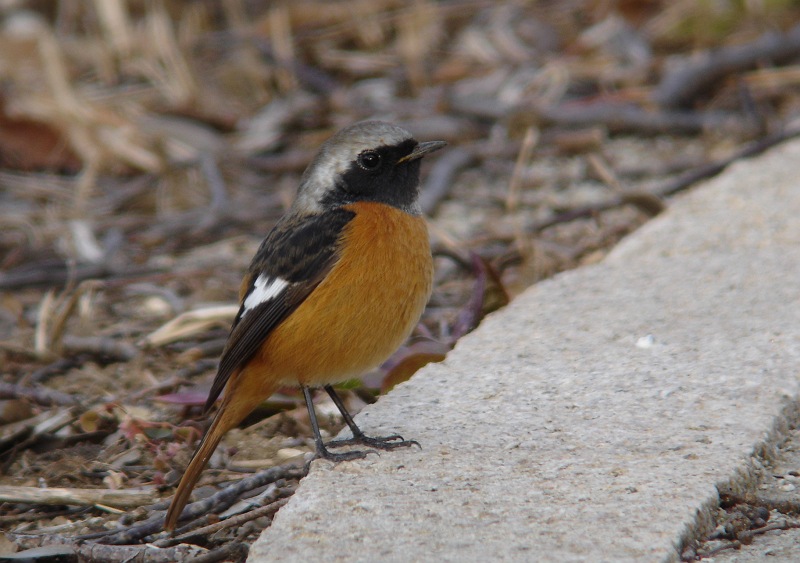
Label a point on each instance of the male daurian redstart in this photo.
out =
(335, 288)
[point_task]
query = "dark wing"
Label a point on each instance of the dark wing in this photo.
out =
(295, 257)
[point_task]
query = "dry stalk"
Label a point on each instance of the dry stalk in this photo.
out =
(524, 243)
(41, 342)
(116, 26)
(280, 27)
(99, 136)
(69, 112)
(191, 323)
(163, 62)
(772, 79)
(236, 521)
(523, 158)
(417, 34)
(367, 25)
(67, 303)
(53, 315)
(604, 172)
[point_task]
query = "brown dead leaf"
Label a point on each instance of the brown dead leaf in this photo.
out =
(30, 145)
(410, 359)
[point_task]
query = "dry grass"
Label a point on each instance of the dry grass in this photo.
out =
(147, 146)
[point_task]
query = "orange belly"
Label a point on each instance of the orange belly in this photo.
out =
(364, 309)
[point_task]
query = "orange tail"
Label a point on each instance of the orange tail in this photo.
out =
(201, 456)
(239, 401)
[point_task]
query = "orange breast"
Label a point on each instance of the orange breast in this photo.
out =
(366, 307)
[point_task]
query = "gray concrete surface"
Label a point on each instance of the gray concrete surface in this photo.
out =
(592, 418)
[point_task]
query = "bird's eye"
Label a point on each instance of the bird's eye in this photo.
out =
(369, 160)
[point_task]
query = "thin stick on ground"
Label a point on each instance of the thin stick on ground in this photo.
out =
(233, 522)
(213, 504)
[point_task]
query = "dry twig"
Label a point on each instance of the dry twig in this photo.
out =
(232, 522)
(39, 395)
(213, 504)
(712, 169)
(630, 118)
(680, 86)
(125, 498)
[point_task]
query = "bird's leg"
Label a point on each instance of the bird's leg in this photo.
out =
(380, 442)
(322, 451)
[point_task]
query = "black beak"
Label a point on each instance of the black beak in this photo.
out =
(422, 149)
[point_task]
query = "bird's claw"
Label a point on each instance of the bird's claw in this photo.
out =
(378, 442)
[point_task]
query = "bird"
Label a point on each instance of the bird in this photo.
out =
(334, 289)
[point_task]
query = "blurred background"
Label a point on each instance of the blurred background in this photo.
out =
(146, 147)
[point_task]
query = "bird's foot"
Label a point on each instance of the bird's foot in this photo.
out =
(324, 453)
(378, 442)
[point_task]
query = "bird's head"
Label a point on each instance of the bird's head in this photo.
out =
(368, 161)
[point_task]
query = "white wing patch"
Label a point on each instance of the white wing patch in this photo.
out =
(264, 289)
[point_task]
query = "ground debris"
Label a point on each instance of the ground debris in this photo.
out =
(145, 150)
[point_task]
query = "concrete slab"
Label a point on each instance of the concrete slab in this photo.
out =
(592, 418)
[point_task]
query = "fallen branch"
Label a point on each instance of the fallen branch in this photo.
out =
(649, 202)
(59, 366)
(127, 498)
(640, 200)
(233, 522)
(712, 169)
(196, 222)
(99, 347)
(33, 515)
(696, 75)
(629, 117)
(25, 433)
(215, 503)
(227, 496)
(38, 395)
(58, 273)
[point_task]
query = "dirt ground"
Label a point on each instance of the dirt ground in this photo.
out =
(146, 148)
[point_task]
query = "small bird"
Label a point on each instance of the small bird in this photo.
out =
(334, 289)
